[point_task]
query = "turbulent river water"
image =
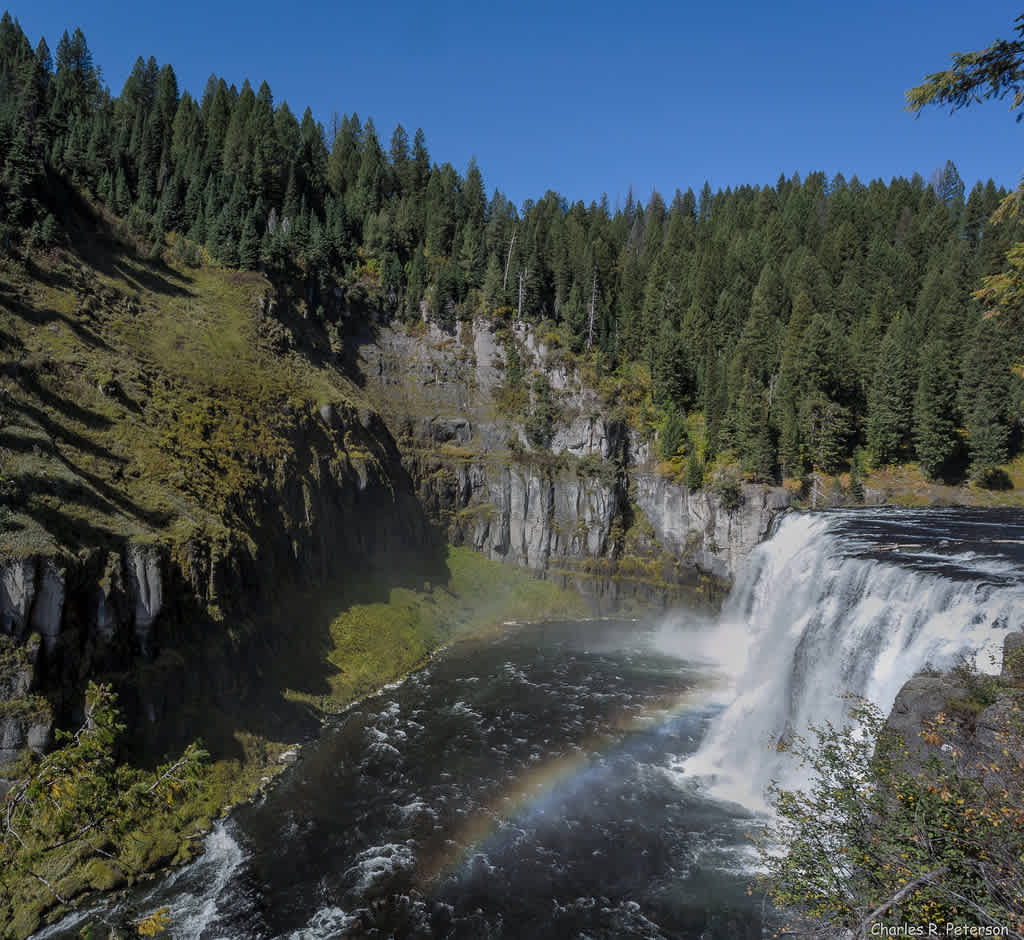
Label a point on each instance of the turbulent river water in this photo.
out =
(598, 779)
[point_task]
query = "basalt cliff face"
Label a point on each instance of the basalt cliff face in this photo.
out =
(582, 503)
(174, 463)
(166, 617)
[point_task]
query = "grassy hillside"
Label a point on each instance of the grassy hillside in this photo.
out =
(139, 399)
(906, 486)
(137, 396)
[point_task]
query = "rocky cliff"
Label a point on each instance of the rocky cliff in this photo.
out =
(339, 500)
(178, 455)
(980, 720)
(586, 505)
(174, 460)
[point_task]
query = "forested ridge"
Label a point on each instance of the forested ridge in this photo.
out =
(815, 324)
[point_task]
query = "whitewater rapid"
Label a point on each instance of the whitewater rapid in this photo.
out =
(599, 778)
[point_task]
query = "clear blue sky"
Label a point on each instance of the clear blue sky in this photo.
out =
(588, 98)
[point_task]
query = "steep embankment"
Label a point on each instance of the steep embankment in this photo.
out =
(198, 507)
(177, 456)
(571, 491)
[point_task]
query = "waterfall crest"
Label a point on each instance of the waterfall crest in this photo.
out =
(851, 602)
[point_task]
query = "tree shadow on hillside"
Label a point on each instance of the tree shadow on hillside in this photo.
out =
(95, 242)
(358, 335)
(44, 316)
(150, 276)
(70, 409)
(87, 489)
(59, 432)
(71, 531)
(9, 343)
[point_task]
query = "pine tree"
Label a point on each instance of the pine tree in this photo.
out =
(168, 213)
(891, 398)
(420, 160)
(398, 154)
(493, 296)
(935, 439)
(985, 394)
(21, 173)
(671, 375)
(268, 137)
(672, 436)
(313, 157)
(249, 244)
(752, 433)
(790, 387)
(826, 426)
(343, 162)
(122, 194)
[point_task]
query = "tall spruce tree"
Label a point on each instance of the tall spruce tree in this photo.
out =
(935, 438)
(891, 397)
(984, 397)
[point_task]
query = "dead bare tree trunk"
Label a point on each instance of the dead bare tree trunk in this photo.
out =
(593, 312)
(508, 260)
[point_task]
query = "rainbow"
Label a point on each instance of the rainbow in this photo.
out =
(539, 785)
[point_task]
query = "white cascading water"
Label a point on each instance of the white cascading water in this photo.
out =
(809, 620)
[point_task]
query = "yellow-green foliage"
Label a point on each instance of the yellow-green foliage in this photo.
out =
(457, 451)
(376, 641)
(148, 395)
(27, 707)
(76, 804)
(905, 485)
(627, 391)
(673, 469)
(150, 835)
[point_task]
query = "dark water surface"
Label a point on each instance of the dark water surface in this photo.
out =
(570, 779)
(955, 543)
(527, 785)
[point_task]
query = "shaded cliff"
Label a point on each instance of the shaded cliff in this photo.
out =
(178, 456)
(319, 514)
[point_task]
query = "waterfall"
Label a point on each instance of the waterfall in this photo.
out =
(851, 602)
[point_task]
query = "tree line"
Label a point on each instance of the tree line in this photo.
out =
(814, 324)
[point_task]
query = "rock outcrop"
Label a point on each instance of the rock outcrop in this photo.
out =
(587, 508)
(694, 524)
(31, 729)
(339, 501)
(980, 725)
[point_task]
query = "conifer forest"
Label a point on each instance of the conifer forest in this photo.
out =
(810, 324)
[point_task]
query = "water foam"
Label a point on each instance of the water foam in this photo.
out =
(375, 865)
(808, 622)
(193, 911)
(327, 922)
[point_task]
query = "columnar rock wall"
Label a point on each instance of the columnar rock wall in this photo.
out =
(336, 504)
(592, 494)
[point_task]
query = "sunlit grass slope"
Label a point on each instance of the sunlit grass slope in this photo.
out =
(137, 397)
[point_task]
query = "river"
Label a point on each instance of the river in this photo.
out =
(599, 779)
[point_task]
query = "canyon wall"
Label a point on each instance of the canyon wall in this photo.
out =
(587, 506)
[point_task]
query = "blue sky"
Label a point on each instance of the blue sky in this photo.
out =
(592, 98)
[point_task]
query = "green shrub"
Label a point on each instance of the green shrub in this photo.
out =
(672, 434)
(884, 836)
(729, 493)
